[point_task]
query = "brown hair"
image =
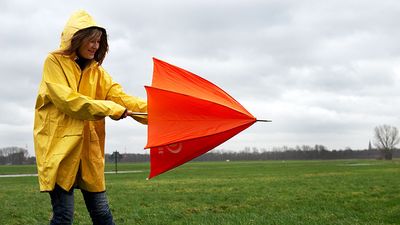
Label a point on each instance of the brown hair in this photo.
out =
(88, 34)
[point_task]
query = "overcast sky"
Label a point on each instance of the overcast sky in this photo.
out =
(325, 72)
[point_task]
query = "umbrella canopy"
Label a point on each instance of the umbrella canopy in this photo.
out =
(188, 116)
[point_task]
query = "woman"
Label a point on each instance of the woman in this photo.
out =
(75, 96)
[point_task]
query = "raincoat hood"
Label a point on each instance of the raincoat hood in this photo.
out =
(79, 20)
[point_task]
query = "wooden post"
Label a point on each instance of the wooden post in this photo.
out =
(116, 161)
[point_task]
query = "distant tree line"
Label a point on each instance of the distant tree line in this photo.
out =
(127, 157)
(15, 156)
(305, 152)
(20, 156)
(286, 153)
(386, 138)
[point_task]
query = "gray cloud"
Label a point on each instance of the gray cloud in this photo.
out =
(324, 72)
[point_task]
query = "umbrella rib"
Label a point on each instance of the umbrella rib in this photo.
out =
(205, 100)
(177, 141)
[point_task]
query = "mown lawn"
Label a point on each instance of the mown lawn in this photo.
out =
(260, 192)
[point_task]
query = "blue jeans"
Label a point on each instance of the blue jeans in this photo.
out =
(63, 207)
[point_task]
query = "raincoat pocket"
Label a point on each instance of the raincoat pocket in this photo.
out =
(93, 135)
(66, 131)
(43, 125)
(96, 150)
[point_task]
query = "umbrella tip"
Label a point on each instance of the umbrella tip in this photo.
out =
(263, 120)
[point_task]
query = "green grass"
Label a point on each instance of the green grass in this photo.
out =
(261, 192)
(20, 169)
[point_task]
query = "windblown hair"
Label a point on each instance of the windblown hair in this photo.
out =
(85, 35)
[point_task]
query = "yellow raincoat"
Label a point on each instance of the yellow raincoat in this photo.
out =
(69, 121)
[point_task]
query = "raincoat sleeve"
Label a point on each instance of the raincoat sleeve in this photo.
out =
(116, 94)
(69, 101)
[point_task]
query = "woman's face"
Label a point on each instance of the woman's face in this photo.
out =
(89, 47)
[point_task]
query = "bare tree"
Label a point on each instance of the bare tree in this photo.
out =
(13, 155)
(386, 138)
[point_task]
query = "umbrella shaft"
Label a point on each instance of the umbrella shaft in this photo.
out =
(139, 114)
(145, 114)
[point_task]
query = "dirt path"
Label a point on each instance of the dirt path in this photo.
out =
(35, 175)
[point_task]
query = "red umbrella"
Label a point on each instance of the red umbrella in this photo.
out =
(187, 117)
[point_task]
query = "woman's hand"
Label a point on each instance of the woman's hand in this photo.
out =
(140, 117)
(126, 114)
(129, 113)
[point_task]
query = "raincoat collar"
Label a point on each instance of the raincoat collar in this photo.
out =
(74, 57)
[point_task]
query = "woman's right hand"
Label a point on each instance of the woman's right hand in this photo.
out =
(125, 114)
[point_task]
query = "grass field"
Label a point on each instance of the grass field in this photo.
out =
(260, 192)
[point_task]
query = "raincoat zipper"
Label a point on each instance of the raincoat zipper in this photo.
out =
(80, 78)
(79, 83)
